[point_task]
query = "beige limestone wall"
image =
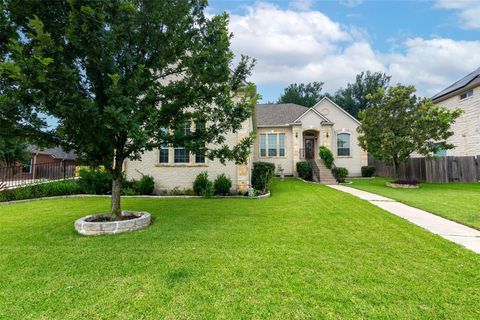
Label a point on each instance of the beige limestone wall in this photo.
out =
(342, 123)
(170, 176)
(466, 129)
(290, 144)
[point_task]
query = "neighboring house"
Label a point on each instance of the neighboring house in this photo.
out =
(44, 163)
(286, 134)
(463, 94)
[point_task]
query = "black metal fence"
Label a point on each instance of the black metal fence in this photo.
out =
(441, 169)
(26, 174)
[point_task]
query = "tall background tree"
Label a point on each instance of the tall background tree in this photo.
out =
(353, 98)
(303, 94)
(398, 123)
(114, 73)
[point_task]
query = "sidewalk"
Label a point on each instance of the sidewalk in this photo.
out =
(453, 231)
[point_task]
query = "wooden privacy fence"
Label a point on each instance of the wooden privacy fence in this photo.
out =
(441, 169)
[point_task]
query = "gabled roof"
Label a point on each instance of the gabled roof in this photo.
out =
(278, 113)
(338, 107)
(460, 84)
(55, 153)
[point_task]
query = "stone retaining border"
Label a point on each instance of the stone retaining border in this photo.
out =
(267, 195)
(89, 228)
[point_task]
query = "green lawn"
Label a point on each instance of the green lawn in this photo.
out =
(306, 252)
(455, 201)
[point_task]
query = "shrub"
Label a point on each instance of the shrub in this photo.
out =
(95, 181)
(261, 175)
(222, 185)
(368, 171)
(340, 173)
(202, 186)
(49, 189)
(327, 156)
(304, 170)
(145, 185)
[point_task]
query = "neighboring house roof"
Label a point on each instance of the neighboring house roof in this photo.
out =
(460, 84)
(55, 153)
(278, 114)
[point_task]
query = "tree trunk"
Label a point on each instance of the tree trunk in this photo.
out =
(397, 169)
(116, 189)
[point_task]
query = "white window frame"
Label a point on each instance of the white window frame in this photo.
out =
(277, 145)
(349, 144)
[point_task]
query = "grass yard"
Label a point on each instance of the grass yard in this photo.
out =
(455, 201)
(306, 252)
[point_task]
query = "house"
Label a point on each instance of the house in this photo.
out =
(286, 134)
(44, 163)
(463, 94)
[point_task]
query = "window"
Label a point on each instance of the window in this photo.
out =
(180, 154)
(272, 145)
(343, 144)
(466, 95)
(27, 167)
(163, 154)
(440, 152)
(200, 128)
(199, 158)
(281, 145)
(263, 145)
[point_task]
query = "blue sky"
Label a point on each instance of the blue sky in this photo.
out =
(428, 44)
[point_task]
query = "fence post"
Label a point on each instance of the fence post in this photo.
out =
(64, 169)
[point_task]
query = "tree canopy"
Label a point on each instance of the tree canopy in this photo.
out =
(353, 98)
(398, 123)
(306, 95)
(114, 73)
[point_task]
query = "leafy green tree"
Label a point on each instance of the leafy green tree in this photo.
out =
(353, 98)
(398, 123)
(12, 151)
(18, 116)
(117, 73)
(306, 95)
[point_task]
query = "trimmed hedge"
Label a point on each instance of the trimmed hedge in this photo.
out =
(222, 185)
(262, 174)
(48, 189)
(304, 170)
(340, 173)
(327, 156)
(368, 171)
(202, 186)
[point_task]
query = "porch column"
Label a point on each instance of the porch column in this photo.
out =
(296, 136)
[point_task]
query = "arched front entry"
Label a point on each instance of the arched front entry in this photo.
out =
(310, 144)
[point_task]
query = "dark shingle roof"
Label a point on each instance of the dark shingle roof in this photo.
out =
(458, 85)
(56, 152)
(277, 114)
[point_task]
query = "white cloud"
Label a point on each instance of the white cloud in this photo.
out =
(302, 5)
(468, 11)
(303, 46)
(351, 3)
(431, 65)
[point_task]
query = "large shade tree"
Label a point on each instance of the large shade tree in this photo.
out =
(353, 98)
(398, 124)
(304, 94)
(117, 74)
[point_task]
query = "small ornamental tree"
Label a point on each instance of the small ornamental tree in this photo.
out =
(117, 74)
(398, 123)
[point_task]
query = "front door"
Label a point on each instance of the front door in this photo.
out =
(309, 143)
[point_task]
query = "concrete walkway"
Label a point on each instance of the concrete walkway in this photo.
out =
(455, 232)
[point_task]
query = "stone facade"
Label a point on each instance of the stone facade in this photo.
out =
(86, 227)
(181, 176)
(325, 121)
(466, 129)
